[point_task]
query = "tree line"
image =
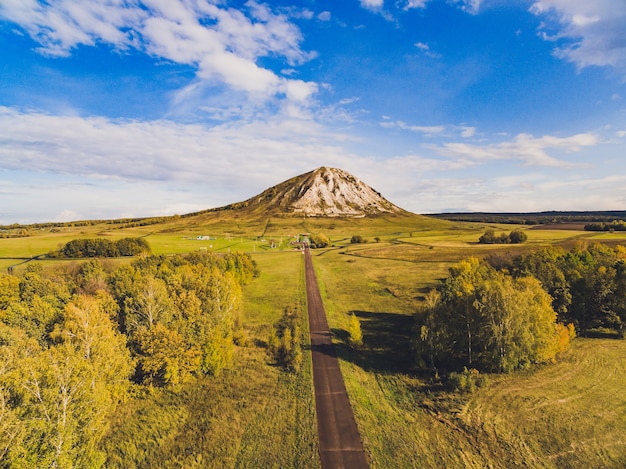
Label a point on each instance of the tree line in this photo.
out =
(524, 312)
(74, 339)
(615, 225)
(99, 247)
(535, 218)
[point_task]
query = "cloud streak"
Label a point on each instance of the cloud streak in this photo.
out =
(156, 150)
(165, 167)
(532, 151)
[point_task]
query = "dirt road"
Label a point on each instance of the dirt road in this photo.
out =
(340, 442)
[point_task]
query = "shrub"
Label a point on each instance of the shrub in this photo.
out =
(489, 237)
(467, 380)
(284, 342)
(355, 335)
(517, 237)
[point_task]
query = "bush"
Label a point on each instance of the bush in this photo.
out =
(517, 237)
(467, 380)
(355, 335)
(284, 342)
(358, 239)
(489, 237)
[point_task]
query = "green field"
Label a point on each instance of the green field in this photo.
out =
(570, 414)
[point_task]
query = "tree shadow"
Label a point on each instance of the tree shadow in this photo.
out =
(386, 342)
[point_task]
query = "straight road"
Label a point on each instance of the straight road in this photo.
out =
(340, 442)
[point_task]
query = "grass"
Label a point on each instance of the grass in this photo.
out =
(568, 415)
(571, 414)
(254, 415)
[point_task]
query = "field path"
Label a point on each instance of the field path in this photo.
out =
(340, 442)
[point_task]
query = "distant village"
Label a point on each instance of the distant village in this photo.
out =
(298, 242)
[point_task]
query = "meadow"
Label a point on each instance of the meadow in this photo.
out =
(568, 414)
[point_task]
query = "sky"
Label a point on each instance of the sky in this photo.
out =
(138, 108)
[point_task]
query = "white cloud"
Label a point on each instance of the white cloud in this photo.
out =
(426, 129)
(324, 16)
(62, 25)
(464, 131)
(470, 6)
(589, 33)
(60, 167)
(524, 147)
(156, 150)
(425, 49)
(222, 43)
(410, 4)
(372, 4)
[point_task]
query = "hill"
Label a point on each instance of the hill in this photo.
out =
(324, 192)
(320, 200)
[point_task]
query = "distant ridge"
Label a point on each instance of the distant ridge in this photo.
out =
(324, 192)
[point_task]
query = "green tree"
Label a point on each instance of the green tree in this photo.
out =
(88, 328)
(9, 290)
(459, 294)
(91, 277)
(517, 237)
(165, 358)
(489, 320)
(520, 322)
(544, 265)
(62, 395)
(147, 304)
(428, 342)
(488, 237)
(319, 240)
(241, 266)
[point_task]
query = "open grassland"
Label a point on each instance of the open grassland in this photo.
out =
(568, 415)
(223, 230)
(571, 414)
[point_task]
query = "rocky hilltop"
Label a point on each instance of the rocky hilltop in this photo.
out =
(324, 192)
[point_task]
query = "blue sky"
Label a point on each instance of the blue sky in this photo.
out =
(126, 108)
